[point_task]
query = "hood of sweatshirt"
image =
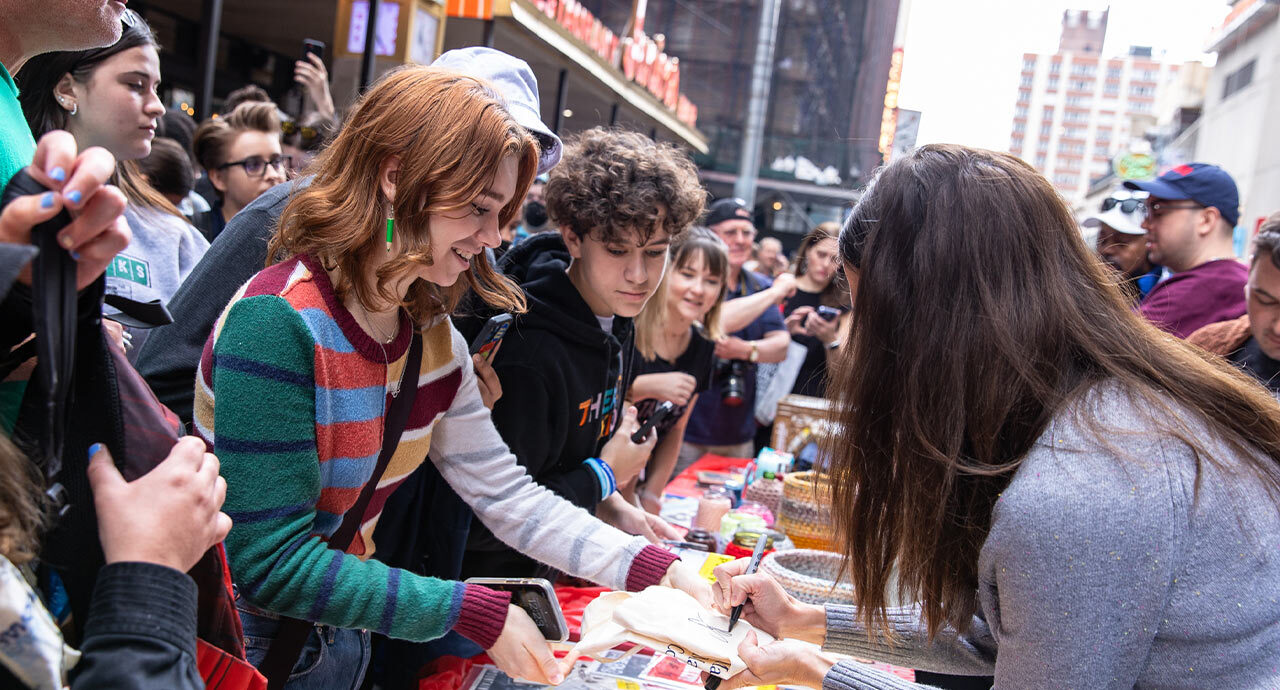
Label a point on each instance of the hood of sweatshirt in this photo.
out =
(540, 264)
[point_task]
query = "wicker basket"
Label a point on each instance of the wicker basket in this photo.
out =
(805, 512)
(808, 575)
(767, 492)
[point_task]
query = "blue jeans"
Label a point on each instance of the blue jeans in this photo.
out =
(331, 659)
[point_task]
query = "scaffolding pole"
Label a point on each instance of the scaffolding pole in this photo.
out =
(758, 104)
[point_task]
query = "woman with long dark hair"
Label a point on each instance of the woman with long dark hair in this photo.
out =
(107, 97)
(1070, 496)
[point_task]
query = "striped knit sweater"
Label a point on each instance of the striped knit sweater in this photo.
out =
(300, 393)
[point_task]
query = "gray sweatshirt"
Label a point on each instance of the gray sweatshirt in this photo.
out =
(1102, 571)
(162, 252)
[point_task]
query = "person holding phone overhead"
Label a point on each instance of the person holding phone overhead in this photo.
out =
(817, 314)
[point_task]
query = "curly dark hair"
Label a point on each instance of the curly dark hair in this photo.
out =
(611, 183)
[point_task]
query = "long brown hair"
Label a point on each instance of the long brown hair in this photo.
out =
(979, 315)
(697, 241)
(451, 133)
(836, 294)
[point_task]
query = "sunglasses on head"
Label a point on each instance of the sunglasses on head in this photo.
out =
(1126, 205)
(289, 127)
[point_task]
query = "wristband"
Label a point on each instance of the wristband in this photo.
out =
(604, 475)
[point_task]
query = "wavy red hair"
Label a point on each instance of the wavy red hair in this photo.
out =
(450, 132)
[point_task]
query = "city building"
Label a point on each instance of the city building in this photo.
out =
(1238, 129)
(827, 102)
(585, 77)
(1077, 110)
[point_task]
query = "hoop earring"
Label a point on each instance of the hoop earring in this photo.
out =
(75, 108)
(391, 225)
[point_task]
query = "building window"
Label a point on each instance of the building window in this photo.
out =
(1019, 127)
(1055, 68)
(1024, 96)
(1238, 80)
(1064, 180)
(1148, 75)
(1020, 111)
(1079, 101)
(1026, 82)
(1140, 107)
(1046, 129)
(1041, 161)
(1028, 64)
(1137, 90)
(1083, 69)
(1113, 73)
(1111, 90)
(1053, 83)
(1081, 85)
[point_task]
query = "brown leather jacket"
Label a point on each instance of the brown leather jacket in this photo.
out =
(1224, 337)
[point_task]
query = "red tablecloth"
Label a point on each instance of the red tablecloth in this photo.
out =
(686, 483)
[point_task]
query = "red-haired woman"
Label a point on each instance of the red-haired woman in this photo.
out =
(308, 357)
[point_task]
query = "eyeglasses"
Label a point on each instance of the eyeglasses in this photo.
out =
(1126, 205)
(1156, 209)
(256, 166)
(289, 127)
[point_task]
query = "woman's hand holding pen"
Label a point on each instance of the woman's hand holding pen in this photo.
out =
(767, 606)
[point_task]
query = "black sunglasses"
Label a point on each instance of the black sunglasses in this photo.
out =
(1126, 205)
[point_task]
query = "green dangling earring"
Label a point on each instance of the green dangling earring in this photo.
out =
(391, 225)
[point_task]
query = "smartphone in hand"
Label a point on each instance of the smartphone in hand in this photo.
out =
(489, 337)
(538, 599)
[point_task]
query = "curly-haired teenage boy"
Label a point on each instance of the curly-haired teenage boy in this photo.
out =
(618, 199)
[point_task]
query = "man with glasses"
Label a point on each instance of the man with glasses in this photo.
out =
(1122, 243)
(1190, 215)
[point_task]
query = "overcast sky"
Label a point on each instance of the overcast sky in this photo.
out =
(962, 58)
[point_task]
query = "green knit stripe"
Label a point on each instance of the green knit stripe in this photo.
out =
(264, 429)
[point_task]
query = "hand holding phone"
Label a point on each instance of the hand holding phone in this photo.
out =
(487, 340)
(536, 597)
(828, 313)
(655, 418)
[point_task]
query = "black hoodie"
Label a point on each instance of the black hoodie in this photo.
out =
(563, 379)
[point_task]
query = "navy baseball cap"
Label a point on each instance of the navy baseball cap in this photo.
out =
(729, 208)
(1207, 185)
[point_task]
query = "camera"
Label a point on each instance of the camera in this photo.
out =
(828, 313)
(733, 373)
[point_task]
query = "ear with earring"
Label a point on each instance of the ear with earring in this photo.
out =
(75, 107)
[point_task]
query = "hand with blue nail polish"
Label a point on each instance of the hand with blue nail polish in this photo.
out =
(78, 180)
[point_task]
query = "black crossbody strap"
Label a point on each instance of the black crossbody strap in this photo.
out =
(283, 653)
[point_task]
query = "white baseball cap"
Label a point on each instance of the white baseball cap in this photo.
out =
(1115, 217)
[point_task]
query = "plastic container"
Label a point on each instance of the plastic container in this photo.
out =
(715, 503)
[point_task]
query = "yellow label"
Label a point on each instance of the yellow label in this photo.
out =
(628, 685)
(710, 564)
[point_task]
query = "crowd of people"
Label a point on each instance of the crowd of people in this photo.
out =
(1067, 458)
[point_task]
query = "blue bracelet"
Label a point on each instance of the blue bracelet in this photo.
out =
(604, 475)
